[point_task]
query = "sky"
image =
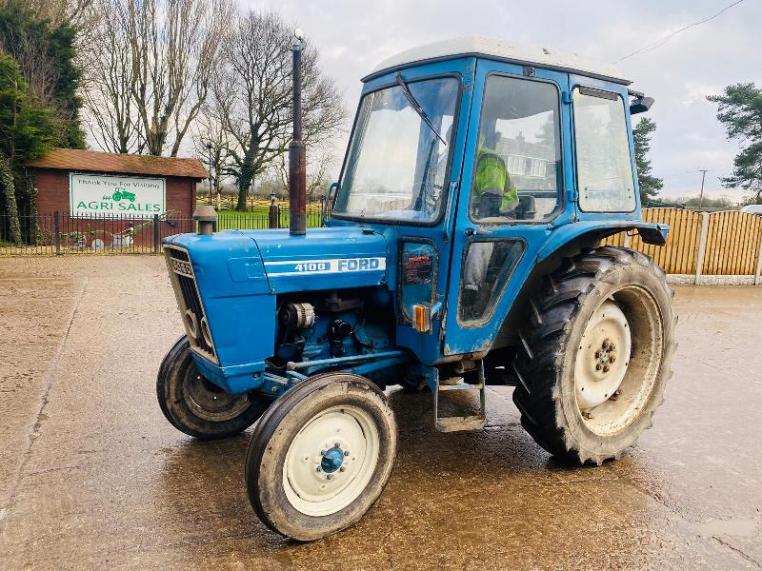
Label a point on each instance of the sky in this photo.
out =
(353, 36)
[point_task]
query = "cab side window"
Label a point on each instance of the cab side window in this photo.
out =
(604, 168)
(517, 170)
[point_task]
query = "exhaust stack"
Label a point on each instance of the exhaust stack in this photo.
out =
(297, 168)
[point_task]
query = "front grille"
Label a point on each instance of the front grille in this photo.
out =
(189, 302)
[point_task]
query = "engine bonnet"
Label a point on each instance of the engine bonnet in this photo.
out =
(245, 262)
(326, 258)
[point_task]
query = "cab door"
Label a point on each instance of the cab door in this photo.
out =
(514, 180)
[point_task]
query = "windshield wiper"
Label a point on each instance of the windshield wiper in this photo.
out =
(417, 107)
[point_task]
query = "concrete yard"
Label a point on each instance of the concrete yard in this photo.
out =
(93, 477)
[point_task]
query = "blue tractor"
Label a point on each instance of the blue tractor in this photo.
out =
(462, 248)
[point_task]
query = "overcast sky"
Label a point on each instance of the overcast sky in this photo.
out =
(354, 35)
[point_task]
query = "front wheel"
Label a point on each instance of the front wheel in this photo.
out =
(195, 405)
(321, 456)
(596, 356)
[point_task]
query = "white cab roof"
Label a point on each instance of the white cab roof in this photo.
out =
(503, 50)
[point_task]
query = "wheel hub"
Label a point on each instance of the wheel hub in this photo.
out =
(602, 357)
(331, 460)
(605, 356)
(210, 402)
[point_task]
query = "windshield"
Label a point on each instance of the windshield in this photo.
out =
(397, 162)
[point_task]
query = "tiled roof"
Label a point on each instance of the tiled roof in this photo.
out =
(94, 161)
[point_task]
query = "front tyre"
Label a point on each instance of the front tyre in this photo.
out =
(596, 356)
(321, 456)
(196, 406)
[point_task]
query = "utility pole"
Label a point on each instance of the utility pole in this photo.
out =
(701, 194)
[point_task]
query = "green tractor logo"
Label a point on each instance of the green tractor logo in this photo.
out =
(122, 194)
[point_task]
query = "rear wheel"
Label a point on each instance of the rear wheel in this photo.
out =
(195, 405)
(596, 355)
(321, 456)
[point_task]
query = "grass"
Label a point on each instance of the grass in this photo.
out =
(256, 212)
(260, 211)
(258, 217)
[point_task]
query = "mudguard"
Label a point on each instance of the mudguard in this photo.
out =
(650, 233)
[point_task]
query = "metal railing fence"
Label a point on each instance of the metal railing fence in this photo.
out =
(699, 243)
(59, 233)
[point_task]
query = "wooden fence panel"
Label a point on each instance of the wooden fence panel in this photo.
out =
(732, 245)
(733, 242)
(679, 254)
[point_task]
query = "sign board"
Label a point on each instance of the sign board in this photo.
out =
(110, 195)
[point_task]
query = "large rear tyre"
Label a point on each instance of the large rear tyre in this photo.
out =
(596, 355)
(196, 406)
(320, 456)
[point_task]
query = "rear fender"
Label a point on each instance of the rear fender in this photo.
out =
(592, 231)
(566, 242)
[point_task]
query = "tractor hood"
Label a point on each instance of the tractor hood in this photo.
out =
(325, 258)
(237, 274)
(272, 261)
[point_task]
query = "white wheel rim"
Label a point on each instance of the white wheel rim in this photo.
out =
(331, 460)
(603, 357)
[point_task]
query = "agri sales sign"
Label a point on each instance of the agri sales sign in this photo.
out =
(98, 195)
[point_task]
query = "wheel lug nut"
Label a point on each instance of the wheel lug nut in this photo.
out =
(346, 452)
(598, 367)
(342, 468)
(322, 452)
(612, 358)
(328, 477)
(597, 354)
(336, 445)
(612, 347)
(318, 469)
(605, 368)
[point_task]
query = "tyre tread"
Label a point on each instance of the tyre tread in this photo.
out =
(538, 366)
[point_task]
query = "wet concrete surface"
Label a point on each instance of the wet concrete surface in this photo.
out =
(92, 476)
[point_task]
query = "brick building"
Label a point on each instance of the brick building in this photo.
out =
(92, 184)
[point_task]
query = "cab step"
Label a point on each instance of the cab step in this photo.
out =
(461, 423)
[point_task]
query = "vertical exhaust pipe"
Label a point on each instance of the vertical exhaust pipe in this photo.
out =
(297, 168)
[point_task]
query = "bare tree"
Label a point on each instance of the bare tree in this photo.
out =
(212, 146)
(174, 49)
(111, 112)
(147, 70)
(252, 95)
(319, 164)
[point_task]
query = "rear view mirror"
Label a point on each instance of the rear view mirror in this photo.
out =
(330, 197)
(641, 104)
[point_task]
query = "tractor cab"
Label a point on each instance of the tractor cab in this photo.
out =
(465, 156)
(462, 248)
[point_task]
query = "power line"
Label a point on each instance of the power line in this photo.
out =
(676, 173)
(668, 37)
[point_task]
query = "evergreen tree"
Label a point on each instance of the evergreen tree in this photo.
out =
(649, 184)
(740, 111)
(27, 130)
(45, 53)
